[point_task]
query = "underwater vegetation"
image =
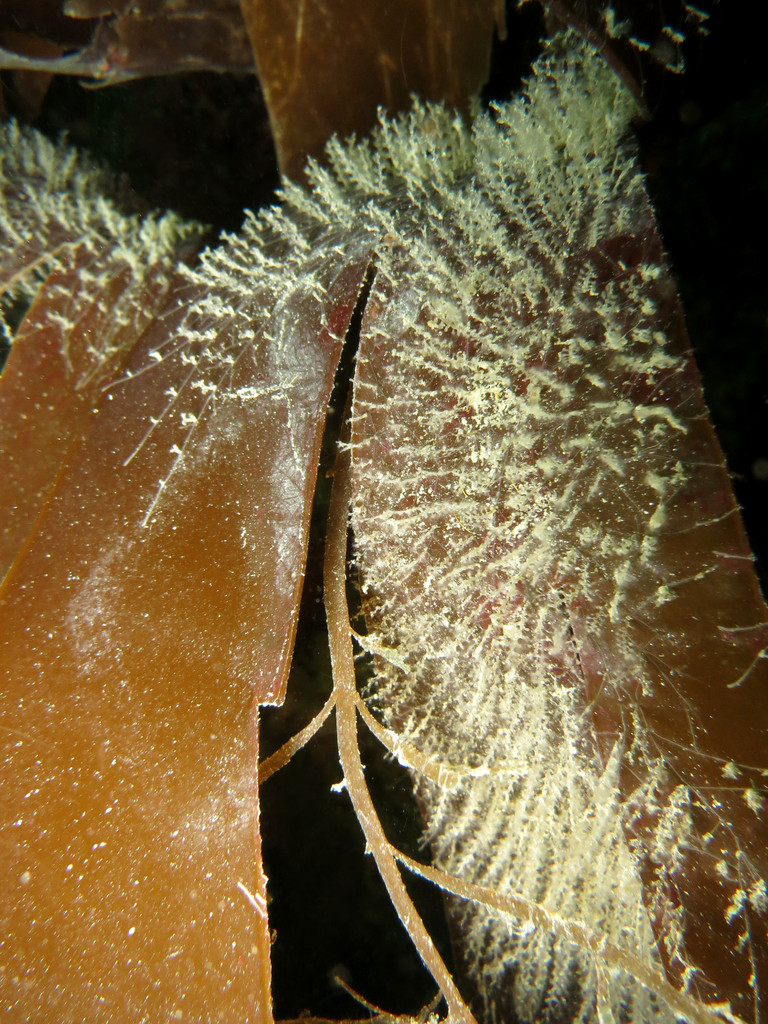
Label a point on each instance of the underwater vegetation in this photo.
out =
(558, 628)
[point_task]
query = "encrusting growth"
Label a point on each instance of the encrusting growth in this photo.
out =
(55, 215)
(531, 519)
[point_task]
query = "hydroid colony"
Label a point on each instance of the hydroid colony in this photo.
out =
(526, 447)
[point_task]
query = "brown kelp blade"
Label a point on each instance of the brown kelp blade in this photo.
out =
(150, 610)
(326, 69)
(129, 800)
(50, 383)
(92, 278)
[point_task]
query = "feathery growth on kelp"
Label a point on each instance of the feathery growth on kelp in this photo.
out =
(536, 537)
(555, 579)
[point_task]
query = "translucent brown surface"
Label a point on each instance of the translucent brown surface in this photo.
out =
(325, 69)
(134, 655)
(149, 609)
(129, 803)
(51, 382)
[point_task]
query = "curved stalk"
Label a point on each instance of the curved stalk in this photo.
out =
(342, 662)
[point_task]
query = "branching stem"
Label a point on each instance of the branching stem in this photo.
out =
(283, 754)
(343, 665)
